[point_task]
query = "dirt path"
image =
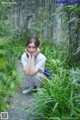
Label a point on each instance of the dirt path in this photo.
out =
(18, 107)
(20, 102)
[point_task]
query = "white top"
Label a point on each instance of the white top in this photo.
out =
(40, 61)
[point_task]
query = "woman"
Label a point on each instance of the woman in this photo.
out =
(33, 64)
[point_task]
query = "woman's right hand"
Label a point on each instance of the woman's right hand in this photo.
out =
(27, 53)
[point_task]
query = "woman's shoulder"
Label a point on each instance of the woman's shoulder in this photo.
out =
(24, 55)
(41, 56)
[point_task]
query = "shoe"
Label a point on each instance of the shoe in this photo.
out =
(24, 91)
(27, 91)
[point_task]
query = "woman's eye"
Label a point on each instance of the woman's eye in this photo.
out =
(34, 47)
(31, 47)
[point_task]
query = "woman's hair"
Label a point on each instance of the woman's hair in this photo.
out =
(33, 39)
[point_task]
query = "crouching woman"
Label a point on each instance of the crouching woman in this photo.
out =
(33, 62)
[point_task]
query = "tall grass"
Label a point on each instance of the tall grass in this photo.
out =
(60, 98)
(12, 44)
(10, 52)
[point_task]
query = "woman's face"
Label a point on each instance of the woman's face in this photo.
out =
(31, 48)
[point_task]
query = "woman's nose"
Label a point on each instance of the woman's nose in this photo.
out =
(31, 50)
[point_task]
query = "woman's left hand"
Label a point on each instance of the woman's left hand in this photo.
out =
(35, 53)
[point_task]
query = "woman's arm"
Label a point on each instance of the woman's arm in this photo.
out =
(26, 66)
(33, 68)
(30, 67)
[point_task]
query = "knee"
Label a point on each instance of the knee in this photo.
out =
(39, 76)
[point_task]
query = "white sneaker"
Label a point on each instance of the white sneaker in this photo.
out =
(25, 91)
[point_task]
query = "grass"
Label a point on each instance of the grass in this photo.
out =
(61, 95)
(10, 52)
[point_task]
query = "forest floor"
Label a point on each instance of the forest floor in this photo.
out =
(20, 102)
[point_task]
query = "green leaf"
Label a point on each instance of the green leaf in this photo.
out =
(2, 41)
(2, 63)
(12, 85)
(2, 52)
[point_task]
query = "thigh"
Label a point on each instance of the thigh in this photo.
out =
(39, 76)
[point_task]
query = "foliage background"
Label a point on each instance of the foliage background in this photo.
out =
(58, 28)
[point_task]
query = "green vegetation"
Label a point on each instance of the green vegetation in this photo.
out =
(9, 78)
(60, 98)
(10, 52)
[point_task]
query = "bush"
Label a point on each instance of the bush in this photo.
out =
(60, 96)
